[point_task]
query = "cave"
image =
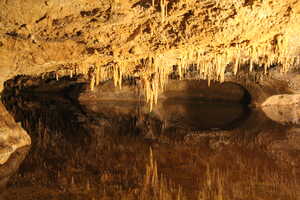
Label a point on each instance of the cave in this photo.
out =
(72, 126)
(61, 105)
(148, 99)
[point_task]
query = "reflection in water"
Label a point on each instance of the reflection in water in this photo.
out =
(91, 152)
(11, 166)
(198, 115)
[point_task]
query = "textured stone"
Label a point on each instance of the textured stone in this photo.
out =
(288, 114)
(283, 108)
(39, 36)
(282, 100)
(12, 135)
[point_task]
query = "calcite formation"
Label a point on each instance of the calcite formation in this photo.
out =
(113, 39)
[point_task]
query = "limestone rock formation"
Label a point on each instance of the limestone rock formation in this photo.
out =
(116, 38)
(288, 114)
(282, 100)
(12, 136)
(283, 108)
(144, 39)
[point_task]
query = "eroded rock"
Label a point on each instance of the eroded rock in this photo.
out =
(12, 135)
(283, 108)
(282, 100)
(283, 114)
(77, 34)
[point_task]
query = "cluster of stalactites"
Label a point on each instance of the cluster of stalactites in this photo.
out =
(210, 65)
(72, 69)
(153, 74)
(155, 79)
(101, 73)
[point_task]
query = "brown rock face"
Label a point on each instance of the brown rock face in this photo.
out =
(12, 136)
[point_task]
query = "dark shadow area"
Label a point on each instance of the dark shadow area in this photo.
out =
(11, 166)
(46, 104)
(199, 90)
(51, 106)
(197, 115)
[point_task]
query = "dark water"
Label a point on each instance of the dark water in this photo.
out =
(101, 150)
(201, 115)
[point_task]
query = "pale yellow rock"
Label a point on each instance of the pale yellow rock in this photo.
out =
(297, 7)
(284, 114)
(282, 100)
(40, 36)
(283, 108)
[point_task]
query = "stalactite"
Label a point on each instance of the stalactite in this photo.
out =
(251, 65)
(71, 73)
(92, 82)
(118, 74)
(209, 64)
(97, 75)
(237, 62)
(164, 9)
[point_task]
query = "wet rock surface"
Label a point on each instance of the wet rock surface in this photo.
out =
(282, 100)
(289, 114)
(283, 108)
